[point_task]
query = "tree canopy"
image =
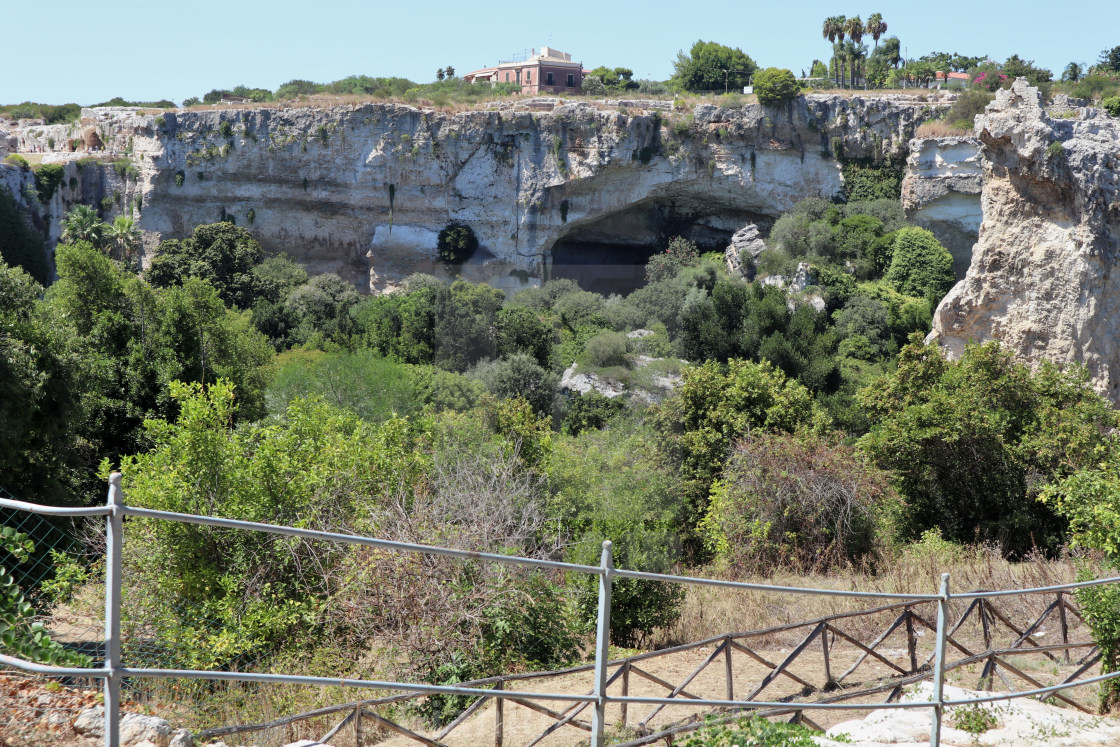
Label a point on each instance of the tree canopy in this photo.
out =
(710, 66)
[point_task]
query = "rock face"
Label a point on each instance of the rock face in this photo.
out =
(1043, 277)
(364, 190)
(745, 247)
(941, 192)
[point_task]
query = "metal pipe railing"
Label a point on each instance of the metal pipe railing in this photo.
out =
(114, 669)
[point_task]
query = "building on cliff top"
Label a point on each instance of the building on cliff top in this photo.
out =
(550, 71)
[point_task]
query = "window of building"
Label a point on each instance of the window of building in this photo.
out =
(528, 78)
(571, 80)
(549, 79)
(518, 77)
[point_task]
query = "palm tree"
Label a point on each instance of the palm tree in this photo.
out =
(876, 26)
(1073, 72)
(832, 29)
(123, 237)
(82, 224)
(854, 27)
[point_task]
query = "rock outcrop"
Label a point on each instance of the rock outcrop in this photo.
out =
(941, 192)
(743, 251)
(364, 190)
(1043, 279)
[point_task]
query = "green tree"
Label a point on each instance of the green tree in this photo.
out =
(1073, 72)
(973, 441)
(1110, 58)
(1088, 499)
(222, 254)
(775, 87)
(20, 245)
(82, 224)
(41, 382)
(611, 485)
(123, 238)
(834, 29)
(920, 265)
(710, 66)
(716, 405)
(876, 26)
(855, 51)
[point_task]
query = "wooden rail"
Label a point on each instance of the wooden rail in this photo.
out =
(825, 632)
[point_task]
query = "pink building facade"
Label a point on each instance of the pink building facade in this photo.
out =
(550, 71)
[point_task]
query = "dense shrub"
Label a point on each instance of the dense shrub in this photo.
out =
(679, 254)
(715, 406)
(775, 86)
(456, 243)
(48, 177)
(519, 376)
(610, 484)
(920, 265)
(973, 441)
(605, 349)
(794, 501)
(20, 245)
(1112, 105)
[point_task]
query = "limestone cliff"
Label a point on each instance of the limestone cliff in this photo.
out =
(1042, 276)
(941, 192)
(364, 190)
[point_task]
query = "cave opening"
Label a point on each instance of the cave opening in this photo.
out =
(608, 254)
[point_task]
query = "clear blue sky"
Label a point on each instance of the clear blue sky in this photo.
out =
(88, 52)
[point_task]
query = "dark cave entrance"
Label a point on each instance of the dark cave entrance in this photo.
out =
(609, 254)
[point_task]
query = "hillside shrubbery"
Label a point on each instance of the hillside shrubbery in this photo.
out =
(807, 431)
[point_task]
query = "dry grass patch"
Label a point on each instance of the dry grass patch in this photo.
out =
(709, 611)
(941, 128)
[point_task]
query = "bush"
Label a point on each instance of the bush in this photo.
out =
(679, 254)
(775, 86)
(589, 411)
(15, 159)
(920, 266)
(794, 501)
(605, 349)
(456, 243)
(1112, 105)
(973, 441)
(519, 376)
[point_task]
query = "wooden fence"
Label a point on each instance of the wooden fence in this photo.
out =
(993, 637)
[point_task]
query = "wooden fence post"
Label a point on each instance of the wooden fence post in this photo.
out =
(730, 674)
(1064, 625)
(499, 716)
(359, 736)
(625, 689)
(911, 642)
(827, 666)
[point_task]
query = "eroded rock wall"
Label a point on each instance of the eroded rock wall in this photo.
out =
(364, 190)
(941, 192)
(1043, 278)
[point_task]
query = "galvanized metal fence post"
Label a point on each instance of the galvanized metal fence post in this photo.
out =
(939, 663)
(114, 539)
(602, 648)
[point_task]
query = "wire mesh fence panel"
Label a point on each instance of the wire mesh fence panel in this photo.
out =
(61, 582)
